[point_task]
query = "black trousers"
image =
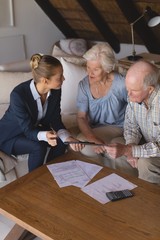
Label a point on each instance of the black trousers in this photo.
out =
(37, 151)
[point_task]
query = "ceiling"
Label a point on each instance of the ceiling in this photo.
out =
(105, 20)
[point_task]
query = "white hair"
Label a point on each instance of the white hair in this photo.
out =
(104, 53)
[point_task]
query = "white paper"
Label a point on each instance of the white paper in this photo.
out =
(74, 172)
(89, 168)
(113, 182)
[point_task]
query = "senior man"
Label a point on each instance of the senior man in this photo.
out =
(142, 122)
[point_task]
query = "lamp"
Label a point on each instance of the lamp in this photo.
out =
(153, 20)
(153, 17)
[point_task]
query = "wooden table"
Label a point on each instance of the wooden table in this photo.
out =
(37, 204)
(154, 58)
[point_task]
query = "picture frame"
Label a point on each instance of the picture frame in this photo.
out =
(6, 13)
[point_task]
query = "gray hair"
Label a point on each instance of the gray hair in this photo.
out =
(104, 53)
(153, 77)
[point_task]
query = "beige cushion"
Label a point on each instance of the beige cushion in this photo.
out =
(72, 74)
(8, 80)
(8, 162)
(76, 60)
(58, 53)
(74, 46)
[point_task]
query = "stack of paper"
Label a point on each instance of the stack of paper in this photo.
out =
(74, 172)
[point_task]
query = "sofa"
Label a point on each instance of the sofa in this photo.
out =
(74, 68)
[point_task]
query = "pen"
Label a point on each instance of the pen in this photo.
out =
(53, 131)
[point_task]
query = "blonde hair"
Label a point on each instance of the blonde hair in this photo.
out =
(43, 66)
(104, 53)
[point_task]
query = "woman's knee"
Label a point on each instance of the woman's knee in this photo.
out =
(107, 133)
(118, 140)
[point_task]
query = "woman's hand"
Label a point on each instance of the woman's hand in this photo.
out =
(51, 138)
(75, 146)
(98, 149)
(115, 150)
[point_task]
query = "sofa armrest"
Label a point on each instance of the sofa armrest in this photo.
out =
(20, 66)
(8, 80)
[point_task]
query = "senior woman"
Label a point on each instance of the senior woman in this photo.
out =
(101, 102)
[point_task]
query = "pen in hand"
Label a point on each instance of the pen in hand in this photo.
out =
(52, 137)
(54, 132)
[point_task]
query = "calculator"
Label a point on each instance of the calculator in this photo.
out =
(117, 195)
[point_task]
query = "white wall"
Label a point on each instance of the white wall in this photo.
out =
(38, 30)
(126, 50)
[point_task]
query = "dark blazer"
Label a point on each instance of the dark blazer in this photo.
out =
(21, 116)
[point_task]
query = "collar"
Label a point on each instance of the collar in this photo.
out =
(35, 92)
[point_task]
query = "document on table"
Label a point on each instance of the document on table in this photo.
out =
(74, 172)
(113, 182)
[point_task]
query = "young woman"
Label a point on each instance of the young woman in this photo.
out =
(33, 122)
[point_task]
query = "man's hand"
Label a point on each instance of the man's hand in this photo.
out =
(116, 150)
(133, 162)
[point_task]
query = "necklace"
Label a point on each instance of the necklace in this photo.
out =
(100, 89)
(97, 89)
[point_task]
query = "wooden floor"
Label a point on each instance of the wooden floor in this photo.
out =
(5, 226)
